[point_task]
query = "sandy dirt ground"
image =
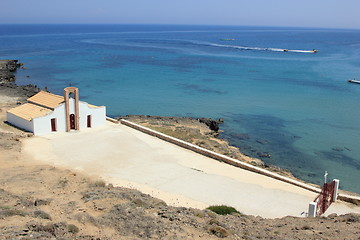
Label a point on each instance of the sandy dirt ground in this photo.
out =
(41, 200)
(127, 157)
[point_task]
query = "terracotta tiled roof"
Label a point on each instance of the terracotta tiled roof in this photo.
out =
(46, 99)
(93, 106)
(29, 111)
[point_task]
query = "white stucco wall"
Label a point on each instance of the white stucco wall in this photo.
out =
(19, 122)
(98, 115)
(42, 125)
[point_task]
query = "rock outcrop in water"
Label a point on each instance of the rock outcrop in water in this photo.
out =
(7, 69)
(211, 123)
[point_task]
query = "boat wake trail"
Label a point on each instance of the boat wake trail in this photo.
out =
(262, 49)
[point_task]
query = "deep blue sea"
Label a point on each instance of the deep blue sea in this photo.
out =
(296, 106)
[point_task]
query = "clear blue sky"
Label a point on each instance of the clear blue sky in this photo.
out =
(302, 13)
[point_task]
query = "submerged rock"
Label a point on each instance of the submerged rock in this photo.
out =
(338, 149)
(241, 136)
(264, 155)
(262, 141)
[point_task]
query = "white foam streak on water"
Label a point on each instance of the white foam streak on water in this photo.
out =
(262, 49)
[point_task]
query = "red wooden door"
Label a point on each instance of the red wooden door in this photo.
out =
(72, 121)
(89, 121)
(53, 124)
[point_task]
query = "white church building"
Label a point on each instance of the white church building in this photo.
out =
(46, 113)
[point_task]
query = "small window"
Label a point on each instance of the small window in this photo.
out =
(89, 121)
(53, 124)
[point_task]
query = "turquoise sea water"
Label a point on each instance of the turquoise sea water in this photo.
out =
(295, 106)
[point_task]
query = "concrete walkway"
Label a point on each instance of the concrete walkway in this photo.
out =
(126, 157)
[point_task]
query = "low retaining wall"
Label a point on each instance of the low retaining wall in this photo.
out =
(349, 198)
(112, 120)
(232, 161)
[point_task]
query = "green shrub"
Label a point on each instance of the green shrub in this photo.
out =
(41, 214)
(222, 209)
(12, 212)
(100, 183)
(73, 229)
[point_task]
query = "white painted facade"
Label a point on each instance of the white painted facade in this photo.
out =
(20, 122)
(43, 124)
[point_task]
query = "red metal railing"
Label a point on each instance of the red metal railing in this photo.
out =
(325, 198)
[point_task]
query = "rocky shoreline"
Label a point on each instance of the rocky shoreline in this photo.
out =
(8, 86)
(39, 201)
(8, 69)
